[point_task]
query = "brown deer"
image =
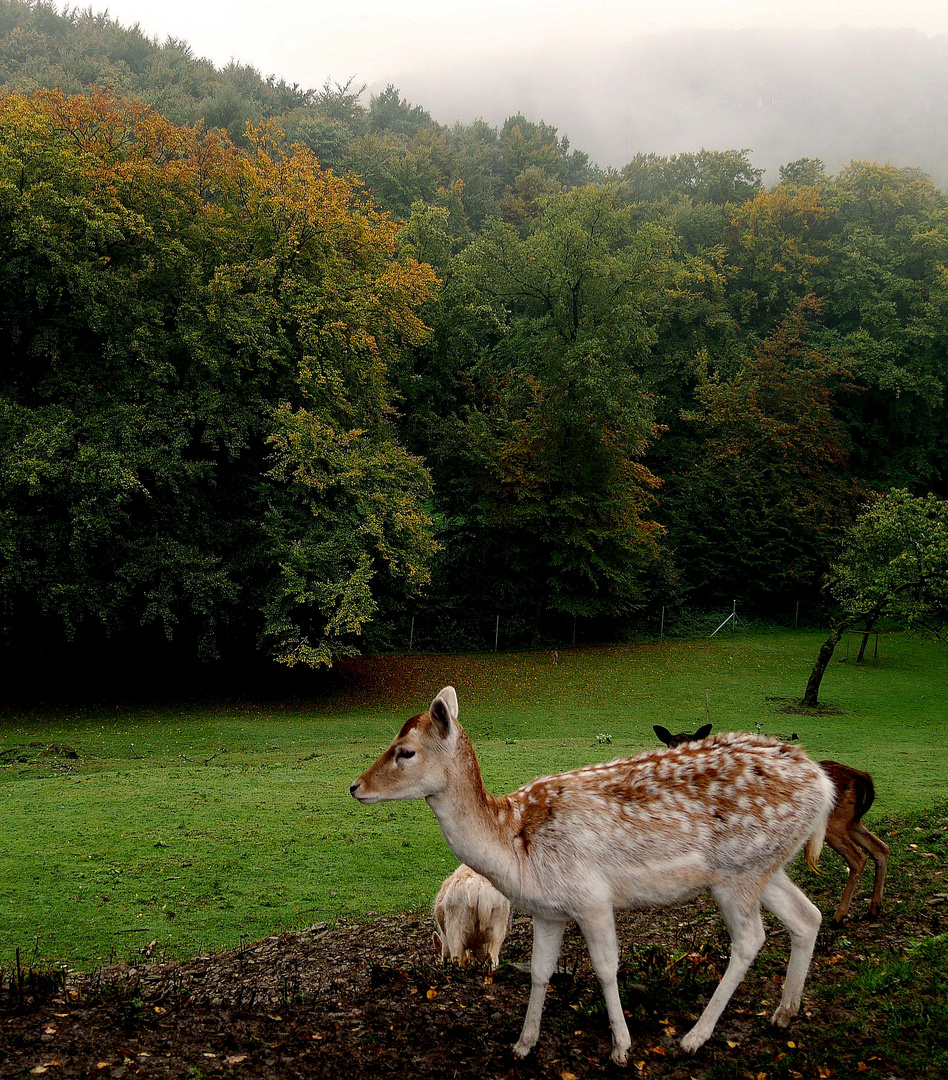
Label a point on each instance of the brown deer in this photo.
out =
(722, 816)
(472, 919)
(845, 832)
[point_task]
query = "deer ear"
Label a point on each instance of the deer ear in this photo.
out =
(702, 732)
(663, 733)
(444, 710)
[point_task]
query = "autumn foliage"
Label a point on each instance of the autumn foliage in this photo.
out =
(201, 340)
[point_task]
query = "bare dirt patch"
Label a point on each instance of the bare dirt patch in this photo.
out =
(369, 1001)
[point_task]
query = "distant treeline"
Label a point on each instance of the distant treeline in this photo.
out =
(278, 390)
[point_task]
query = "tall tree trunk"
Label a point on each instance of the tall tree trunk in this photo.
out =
(811, 697)
(867, 629)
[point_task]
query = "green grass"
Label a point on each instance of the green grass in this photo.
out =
(197, 827)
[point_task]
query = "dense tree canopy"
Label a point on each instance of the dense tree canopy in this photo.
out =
(196, 400)
(286, 384)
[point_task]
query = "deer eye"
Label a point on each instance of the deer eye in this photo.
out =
(402, 753)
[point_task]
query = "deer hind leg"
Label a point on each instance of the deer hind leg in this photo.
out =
(746, 928)
(599, 930)
(547, 939)
(855, 859)
(802, 919)
(879, 852)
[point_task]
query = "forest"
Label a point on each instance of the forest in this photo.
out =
(287, 373)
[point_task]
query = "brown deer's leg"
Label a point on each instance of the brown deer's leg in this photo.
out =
(879, 851)
(855, 859)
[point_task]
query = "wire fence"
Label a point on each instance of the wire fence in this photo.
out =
(486, 630)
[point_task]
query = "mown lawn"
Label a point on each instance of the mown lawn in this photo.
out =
(197, 826)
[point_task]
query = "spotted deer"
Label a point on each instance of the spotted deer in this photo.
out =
(722, 816)
(845, 832)
(472, 919)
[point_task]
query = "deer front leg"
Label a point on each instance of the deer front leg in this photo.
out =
(547, 939)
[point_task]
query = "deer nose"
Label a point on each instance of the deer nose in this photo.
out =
(353, 788)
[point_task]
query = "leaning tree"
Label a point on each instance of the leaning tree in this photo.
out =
(894, 561)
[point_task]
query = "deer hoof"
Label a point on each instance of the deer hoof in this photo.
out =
(619, 1055)
(783, 1016)
(693, 1040)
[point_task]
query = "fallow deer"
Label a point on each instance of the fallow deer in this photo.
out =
(845, 832)
(723, 816)
(665, 736)
(472, 919)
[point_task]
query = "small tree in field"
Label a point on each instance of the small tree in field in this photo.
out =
(894, 561)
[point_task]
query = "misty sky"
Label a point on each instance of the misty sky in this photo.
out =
(306, 42)
(835, 79)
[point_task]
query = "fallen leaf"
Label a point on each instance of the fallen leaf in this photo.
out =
(237, 1059)
(432, 994)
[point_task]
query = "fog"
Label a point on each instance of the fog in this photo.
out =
(619, 77)
(839, 95)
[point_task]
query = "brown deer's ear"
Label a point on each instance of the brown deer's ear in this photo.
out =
(444, 710)
(702, 732)
(663, 734)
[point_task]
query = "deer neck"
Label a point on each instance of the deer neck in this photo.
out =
(475, 824)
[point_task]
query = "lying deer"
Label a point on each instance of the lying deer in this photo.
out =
(472, 919)
(723, 816)
(845, 832)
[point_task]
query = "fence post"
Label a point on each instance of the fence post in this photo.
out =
(661, 632)
(497, 633)
(411, 636)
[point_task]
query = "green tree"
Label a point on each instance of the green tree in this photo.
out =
(196, 405)
(712, 176)
(893, 562)
(544, 501)
(758, 509)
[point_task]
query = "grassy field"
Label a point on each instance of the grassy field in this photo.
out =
(198, 826)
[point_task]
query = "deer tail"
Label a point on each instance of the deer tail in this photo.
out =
(814, 843)
(812, 849)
